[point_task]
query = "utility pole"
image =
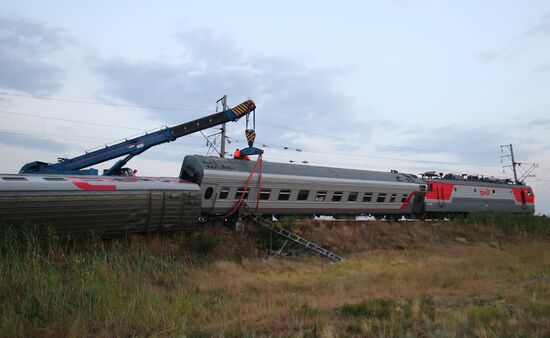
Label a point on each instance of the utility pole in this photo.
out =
(511, 156)
(223, 102)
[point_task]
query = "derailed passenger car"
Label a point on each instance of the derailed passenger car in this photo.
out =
(289, 189)
(104, 204)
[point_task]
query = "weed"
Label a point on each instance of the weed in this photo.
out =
(374, 308)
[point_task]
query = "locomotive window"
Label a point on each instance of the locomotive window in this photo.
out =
(392, 198)
(240, 192)
(284, 195)
(422, 187)
(430, 187)
(337, 196)
(208, 193)
(455, 189)
(367, 197)
(303, 195)
(381, 198)
(224, 192)
(54, 179)
(404, 198)
(352, 196)
(321, 195)
(493, 191)
(264, 194)
(475, 190)
(14, 179)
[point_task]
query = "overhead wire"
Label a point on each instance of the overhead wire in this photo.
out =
(234, 139)
(307, 132)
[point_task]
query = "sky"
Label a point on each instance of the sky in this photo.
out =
(380, 85)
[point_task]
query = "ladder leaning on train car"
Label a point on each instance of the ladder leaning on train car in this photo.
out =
(245, 213)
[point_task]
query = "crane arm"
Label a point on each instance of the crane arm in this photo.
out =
(136, 146)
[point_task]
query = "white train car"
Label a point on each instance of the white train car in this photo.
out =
(289, 189)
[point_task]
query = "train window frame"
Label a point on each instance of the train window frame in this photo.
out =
(337, 196)
(15, 178)
(367, 197)
(240, 191)
(54, 179)
(284, 195)
(208, 192)
(404, 198)
(321, 196)
(303, 195)
(265, 194)
(352, 196)
(392, 198)
(381, 197)
(224, 193)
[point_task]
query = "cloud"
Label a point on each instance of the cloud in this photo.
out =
(540, 122)
(26, 50)
(542, 27)
(478, 145)
(287, 92)
(519, 44)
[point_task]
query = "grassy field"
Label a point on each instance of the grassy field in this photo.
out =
(485, 276)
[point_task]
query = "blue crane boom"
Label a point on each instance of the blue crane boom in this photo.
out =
(135, 146)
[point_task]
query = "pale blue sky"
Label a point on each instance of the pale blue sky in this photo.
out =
(410, 85)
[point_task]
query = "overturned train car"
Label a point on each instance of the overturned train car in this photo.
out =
(106, 205)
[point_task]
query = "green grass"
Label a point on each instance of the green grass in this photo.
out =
(215, 283)
(508, 223)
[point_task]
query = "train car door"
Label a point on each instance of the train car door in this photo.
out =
(440, 196)
(523, 198)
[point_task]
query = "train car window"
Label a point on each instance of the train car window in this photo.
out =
(303, 195)
(493, 191)
(224, 193)
(352, 196)
(208, 193)
(392, 198)
(455, 189)
(14, 179)
(367, 197)
(284, 195)
(265, 194)
(240, 192)
(475, 190)
(56, 179)
(337, 196)
(381, 198)
(321, 195)
(404, 198)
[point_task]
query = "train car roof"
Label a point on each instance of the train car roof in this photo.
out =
(193, 168)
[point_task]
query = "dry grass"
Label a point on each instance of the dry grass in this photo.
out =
(399, 279)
